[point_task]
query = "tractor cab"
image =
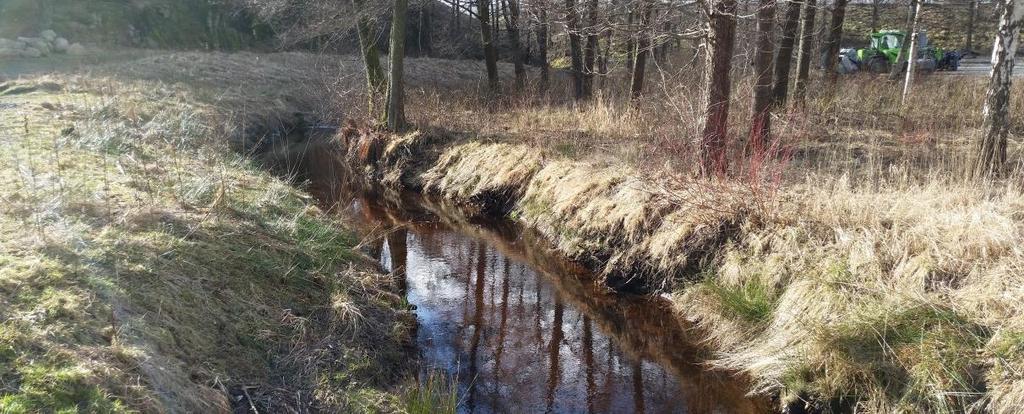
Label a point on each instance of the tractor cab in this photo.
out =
(885, 45)
(887, 39)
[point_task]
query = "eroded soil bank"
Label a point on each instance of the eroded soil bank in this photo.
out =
(825, 305)
(520, 327)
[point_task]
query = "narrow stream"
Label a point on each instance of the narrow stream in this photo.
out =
(522, 329)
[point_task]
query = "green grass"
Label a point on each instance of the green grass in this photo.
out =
(143, 266)
(750, 301)
(436, 393)
(922, 357)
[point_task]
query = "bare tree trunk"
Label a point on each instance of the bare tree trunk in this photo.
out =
(760, 130)
(783, 61)
(456, 26)
(874, 15)
(991, 149)
(395, 115)
(636, 87)
(426, 41)
(483, 10)
(575, 49)
(971, 17)
(912, 54)
(602, 62)
(512, 27)
(721, 40)
(835, 40)
(901, 57)
(376, 81)
(630, 41)
(590, 50)
(542, 50)
(803, 63)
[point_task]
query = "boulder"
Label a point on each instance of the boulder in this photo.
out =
(61, 45)
(37, 43)
(31, 52)
(49, 35)
(11, 44)
(76, 49)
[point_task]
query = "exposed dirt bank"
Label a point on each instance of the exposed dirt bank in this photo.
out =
(836, 297)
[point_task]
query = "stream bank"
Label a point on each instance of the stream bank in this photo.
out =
(520, 327)
(805, 291)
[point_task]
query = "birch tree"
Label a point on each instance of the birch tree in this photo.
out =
(991, 148)
(912, 52)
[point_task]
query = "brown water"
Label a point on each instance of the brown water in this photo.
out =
(525, 331)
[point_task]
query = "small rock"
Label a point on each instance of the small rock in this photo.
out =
(49, 35)
(76, 49)
(31, 52)
(7, 52)
(61, 45)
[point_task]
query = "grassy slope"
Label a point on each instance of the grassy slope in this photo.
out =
(170, 24)
(145, 267)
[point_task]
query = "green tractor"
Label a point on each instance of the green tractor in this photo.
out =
(885, 48)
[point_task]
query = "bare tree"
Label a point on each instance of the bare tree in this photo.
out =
(803, 63)
(511, 13)
(835, 40)
(991, 149)
(784, 58)
(575, 48)
(760, 130)
(972, 15)
(395, 116)
(901, 56)
(636, 87)
(542, 47)
(874, 14)
(376, 82)
(590, 49)
(721, 40)
(630, 41)
(483, 10)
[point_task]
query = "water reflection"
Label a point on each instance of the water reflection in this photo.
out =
(524, 331)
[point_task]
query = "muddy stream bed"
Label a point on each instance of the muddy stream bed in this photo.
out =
(522, 329)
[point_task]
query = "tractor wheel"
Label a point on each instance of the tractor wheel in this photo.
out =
(878, 64)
